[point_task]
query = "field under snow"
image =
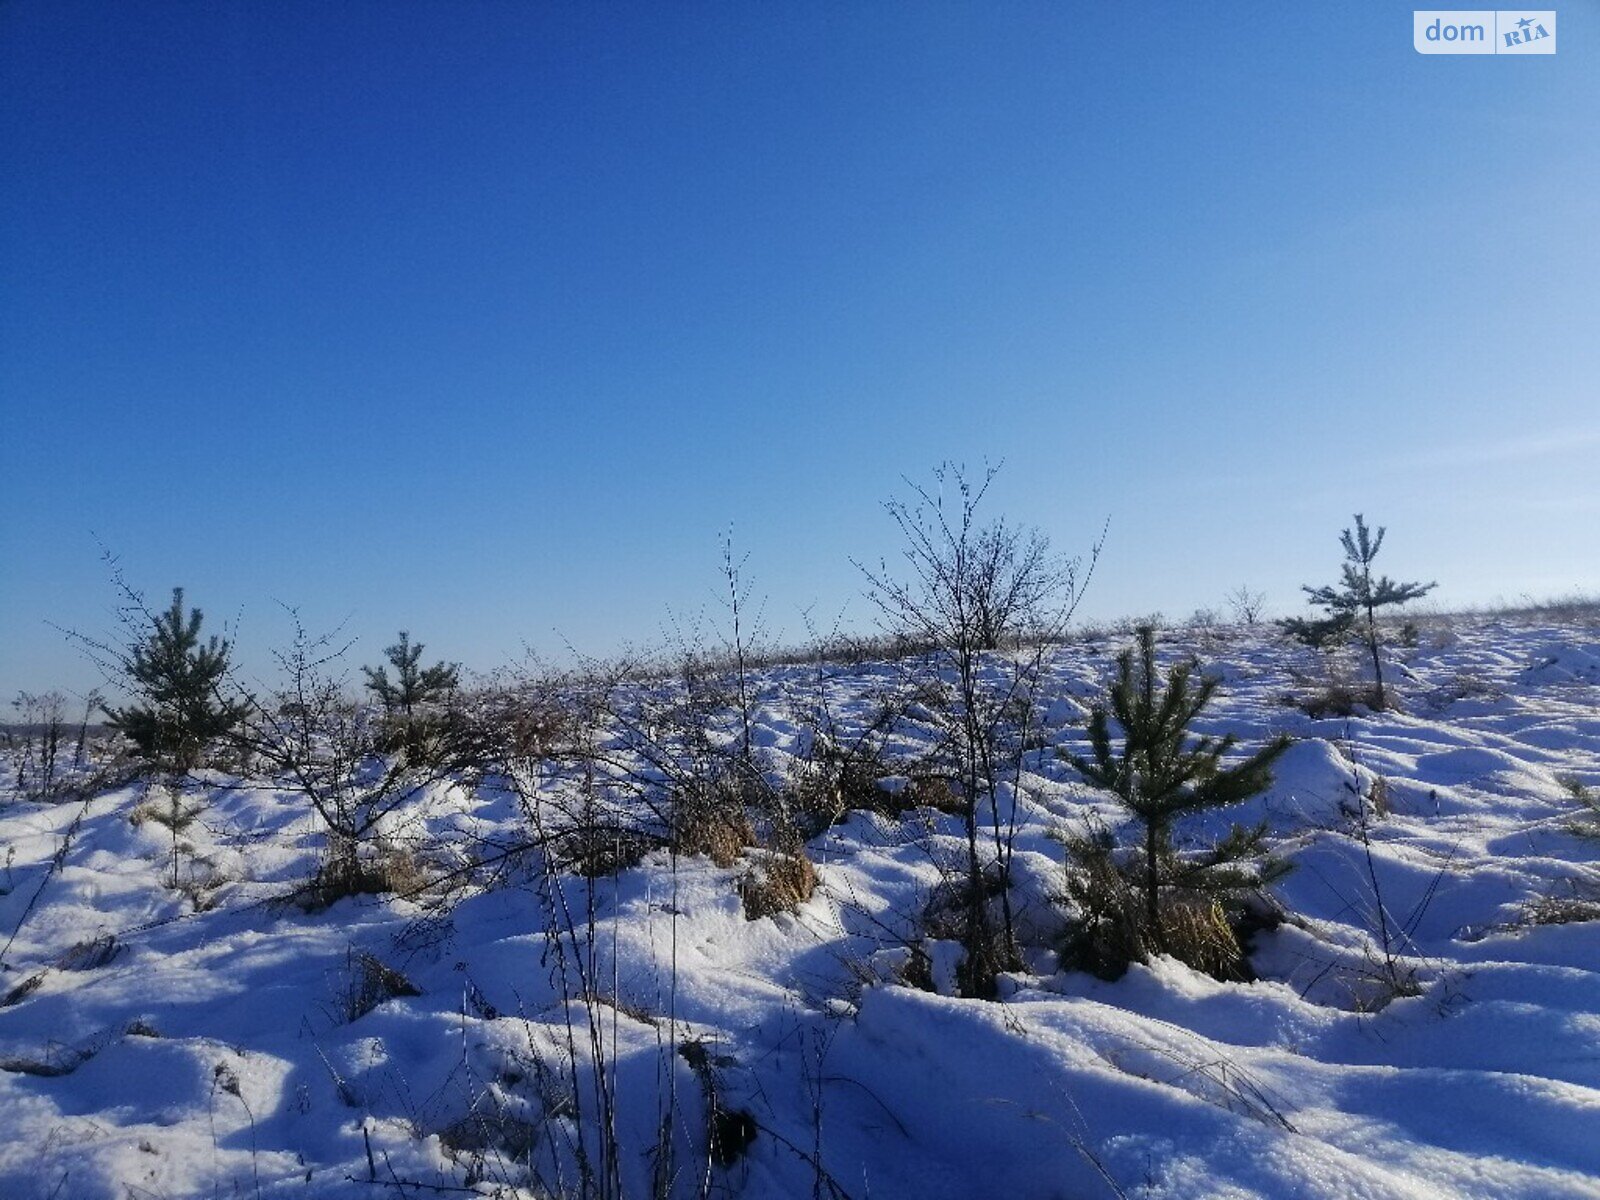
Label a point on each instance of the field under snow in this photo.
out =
(150, 1050)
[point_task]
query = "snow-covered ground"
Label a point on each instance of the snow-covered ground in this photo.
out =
(152, 1050)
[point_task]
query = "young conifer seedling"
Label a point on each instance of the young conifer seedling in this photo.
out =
(1355, 601)
(1156, 899)
(177, 680)
(407, 698)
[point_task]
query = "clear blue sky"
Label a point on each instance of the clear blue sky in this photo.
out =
(483, 319)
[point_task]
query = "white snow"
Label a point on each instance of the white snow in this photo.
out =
(169, 1052)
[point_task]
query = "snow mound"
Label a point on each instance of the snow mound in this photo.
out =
(1559, 662)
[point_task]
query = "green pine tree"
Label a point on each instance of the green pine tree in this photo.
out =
(407, 698)
(1355, 601)
(178, 685)
(415, 685)
(1160, 773)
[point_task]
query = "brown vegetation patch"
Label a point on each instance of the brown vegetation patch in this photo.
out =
(781, 884)
(599, 851)
(932, 791)
(371, 982)
(712, 826)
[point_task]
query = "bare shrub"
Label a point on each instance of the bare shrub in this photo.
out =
(331, 750)
(967, 589)
(43, 720)
(843, 772)
(672, 747)
(1012, 578)
(1206, 626)
(1130, 626)
(1246, 606)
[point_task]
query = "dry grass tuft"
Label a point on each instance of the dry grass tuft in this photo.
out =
(1334, 699)
(369, 983)
(600, 851)
(1111, 929)
(523, 725)
(24, 989)
(835, 785)
(781, 884)
(90, 955)
(932, 791)
(389, 868)
(711, 823)
(1196, 931)
(61, 1061)
(1560, 910)
(484, 1135)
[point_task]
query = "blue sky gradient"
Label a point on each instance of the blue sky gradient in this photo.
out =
(485, 319)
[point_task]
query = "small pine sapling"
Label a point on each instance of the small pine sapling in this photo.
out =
(1152, 898)
(178, 684)
(407, 697)
(179, 709)
(1355, 601)
(414, 685)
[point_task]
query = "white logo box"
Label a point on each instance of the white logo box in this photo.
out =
(1483, 31)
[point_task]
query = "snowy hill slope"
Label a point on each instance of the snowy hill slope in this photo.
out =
(217, 1040)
